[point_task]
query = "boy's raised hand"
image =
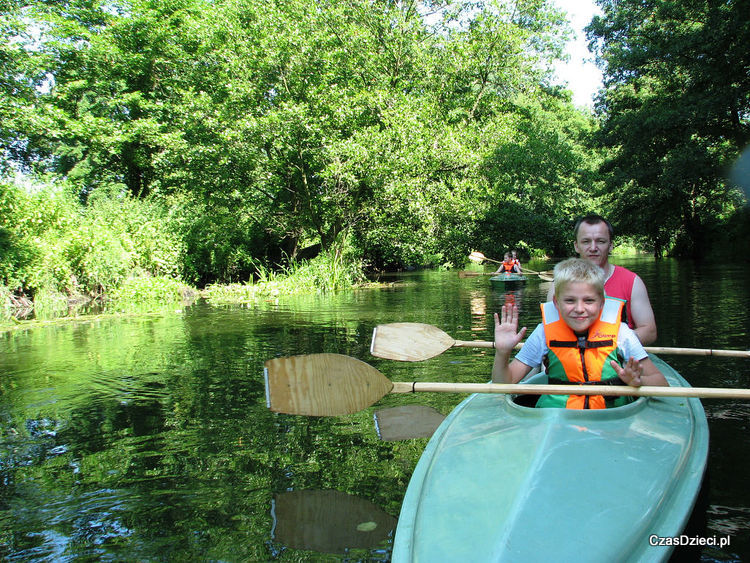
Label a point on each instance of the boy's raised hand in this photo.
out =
(630, 373)
(507, 334)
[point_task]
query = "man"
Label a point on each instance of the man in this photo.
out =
(593, 242)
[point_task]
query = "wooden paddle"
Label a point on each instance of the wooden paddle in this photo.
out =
(544, 276)
(333, 385)
(414, 342)
(470, 274)
(478, 257)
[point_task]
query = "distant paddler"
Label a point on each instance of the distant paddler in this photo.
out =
(516, 262)
(508, 265)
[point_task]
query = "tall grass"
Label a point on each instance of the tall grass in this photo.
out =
(330, 271)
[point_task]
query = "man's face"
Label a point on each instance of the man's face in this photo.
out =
(593, 243)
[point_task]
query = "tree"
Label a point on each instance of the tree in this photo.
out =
(675, 114)
(269, 127)
(541, 174)
(105, 72)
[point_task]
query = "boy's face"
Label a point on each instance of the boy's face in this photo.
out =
(579, 304)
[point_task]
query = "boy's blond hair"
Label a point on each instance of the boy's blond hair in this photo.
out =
(578, 270)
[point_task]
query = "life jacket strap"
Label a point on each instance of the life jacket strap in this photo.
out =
(581, 343)
(610, 381)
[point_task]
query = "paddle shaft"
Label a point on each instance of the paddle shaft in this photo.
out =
(538, 389)
(333, 385)
(649, 349)
(473, 274)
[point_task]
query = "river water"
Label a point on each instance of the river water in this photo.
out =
(148, 438)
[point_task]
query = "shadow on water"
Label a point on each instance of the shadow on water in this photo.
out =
(148, 438)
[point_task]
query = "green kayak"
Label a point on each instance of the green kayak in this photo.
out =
(503, 280)
(503, 482)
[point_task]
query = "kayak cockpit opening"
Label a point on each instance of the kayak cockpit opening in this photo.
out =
(536, 376)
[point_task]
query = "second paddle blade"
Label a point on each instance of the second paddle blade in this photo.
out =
(477, 257)
(409, 342)
(322, 385)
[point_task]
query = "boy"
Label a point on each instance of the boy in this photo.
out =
(507, 266)
(516, 262)
(580, 340)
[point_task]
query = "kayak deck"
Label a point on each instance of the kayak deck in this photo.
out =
(503, 482)
(510, 279)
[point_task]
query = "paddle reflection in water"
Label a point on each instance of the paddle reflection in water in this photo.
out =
(329, 521)
(407, 422)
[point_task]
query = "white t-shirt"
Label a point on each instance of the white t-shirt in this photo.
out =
(535, 347)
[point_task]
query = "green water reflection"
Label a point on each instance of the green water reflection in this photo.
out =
(149, 439)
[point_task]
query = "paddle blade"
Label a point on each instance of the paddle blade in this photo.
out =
(322, 385)
(409, 342)
(477, 257)
(329, 521)
(407, 422)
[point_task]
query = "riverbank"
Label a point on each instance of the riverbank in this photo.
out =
(327, 272)
(149, 296)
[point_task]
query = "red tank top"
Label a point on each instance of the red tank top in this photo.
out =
(620, 285)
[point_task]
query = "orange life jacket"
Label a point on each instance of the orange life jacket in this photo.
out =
(508, 266)
(582, 360)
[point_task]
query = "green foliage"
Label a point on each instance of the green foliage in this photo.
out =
(266, 128)
(274, 126)
(53, 244)
(152, 291)
(30, 220)
(541, 176)
(675, 115)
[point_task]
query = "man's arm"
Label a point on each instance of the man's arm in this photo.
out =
(641, 312)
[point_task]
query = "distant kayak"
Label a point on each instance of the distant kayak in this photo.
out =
(501, 280)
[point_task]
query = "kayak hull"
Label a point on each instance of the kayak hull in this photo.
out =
(503, 280)
(502, 482)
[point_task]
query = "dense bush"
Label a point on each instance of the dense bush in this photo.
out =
(50, 242)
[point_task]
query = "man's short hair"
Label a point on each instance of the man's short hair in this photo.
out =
(593, 219)
(578, 270)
